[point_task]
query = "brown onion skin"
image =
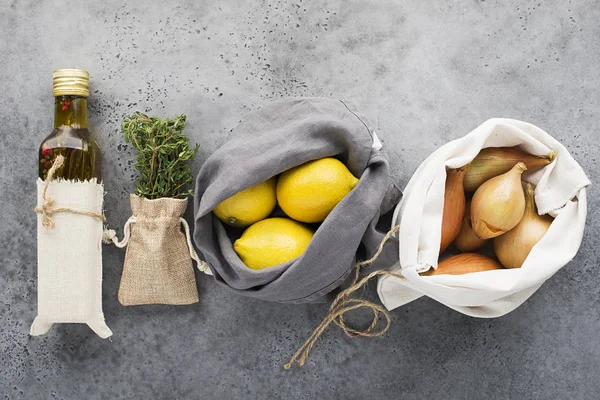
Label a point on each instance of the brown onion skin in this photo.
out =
(467, 241)
(465, 263)
(494, 161)
(499, 204)
(454, 206)
(513, 247)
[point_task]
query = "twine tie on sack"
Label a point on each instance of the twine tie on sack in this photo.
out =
(343, 303)
(110, 236)
(202, 265)
(47, 208)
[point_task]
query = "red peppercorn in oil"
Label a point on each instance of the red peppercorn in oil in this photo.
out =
(70, 137)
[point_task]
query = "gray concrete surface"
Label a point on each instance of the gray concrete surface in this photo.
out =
(424, 72)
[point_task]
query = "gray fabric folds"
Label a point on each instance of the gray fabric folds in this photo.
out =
(274, 139)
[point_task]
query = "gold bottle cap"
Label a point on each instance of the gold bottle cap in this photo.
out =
(71, 82)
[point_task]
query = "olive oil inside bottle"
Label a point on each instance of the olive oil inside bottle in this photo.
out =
(71, 139)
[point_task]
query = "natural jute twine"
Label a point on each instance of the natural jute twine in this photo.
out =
(344, 303)
(47, 210)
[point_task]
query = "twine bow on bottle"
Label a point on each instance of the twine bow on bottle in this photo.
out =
(47, 208)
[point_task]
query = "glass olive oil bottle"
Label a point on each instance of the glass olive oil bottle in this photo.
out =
(70, 137)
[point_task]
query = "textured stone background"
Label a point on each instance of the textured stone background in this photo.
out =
(423, 72)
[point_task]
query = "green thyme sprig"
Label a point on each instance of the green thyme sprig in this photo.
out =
(163, 152)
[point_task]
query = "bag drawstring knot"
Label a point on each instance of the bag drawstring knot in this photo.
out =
(110, 236)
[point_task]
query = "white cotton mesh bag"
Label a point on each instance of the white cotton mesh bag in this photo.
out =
(560, 191)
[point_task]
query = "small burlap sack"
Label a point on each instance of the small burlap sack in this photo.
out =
(158, 263)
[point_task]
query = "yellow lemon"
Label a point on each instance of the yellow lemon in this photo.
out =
(271, 242)
(248, 206)
(310, 191)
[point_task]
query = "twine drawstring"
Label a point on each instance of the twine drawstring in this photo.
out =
(202, 265)
(343, 303)
(47, 209)
(110, 236)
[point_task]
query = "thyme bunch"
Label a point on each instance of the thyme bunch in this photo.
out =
(162, 155)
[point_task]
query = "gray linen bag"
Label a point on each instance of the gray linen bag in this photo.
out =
(274, 139)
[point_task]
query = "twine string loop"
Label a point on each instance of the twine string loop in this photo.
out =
(344, 303)
(47, 208)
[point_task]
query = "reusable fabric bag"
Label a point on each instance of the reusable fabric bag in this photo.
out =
(158, 265)
(69, 221)
(560, 191)
(280, 136)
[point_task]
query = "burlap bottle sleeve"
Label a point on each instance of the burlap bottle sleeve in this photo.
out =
(158, 268)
